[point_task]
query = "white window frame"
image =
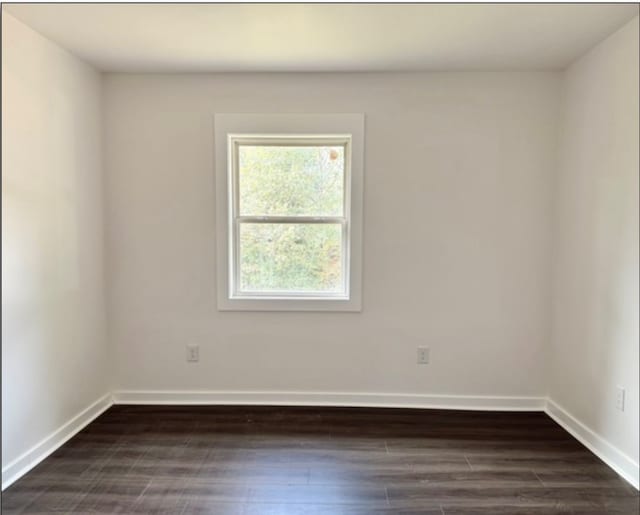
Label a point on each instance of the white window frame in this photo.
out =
(236, 219)
(233, 130)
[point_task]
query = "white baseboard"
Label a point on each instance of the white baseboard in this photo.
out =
(25, 462)
(611, 455)
(377, 400)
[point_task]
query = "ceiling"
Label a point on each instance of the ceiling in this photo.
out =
(325, 37)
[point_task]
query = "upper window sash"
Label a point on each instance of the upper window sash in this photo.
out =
(235, 141)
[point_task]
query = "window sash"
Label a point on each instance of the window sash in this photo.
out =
(237, 292)
(235, 219)
(237, 141)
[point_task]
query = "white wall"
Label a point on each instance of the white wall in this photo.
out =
(595, 320)
(53, 325)
(458, 174)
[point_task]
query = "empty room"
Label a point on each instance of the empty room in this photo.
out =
(324, 258)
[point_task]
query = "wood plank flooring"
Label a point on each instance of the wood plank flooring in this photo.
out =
(275, 460)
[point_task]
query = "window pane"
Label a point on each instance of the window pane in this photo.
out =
(291, 180)
(291, 257)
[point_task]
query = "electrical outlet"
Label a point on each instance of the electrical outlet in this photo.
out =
(423, 355)
(193, 352)
(620, 398)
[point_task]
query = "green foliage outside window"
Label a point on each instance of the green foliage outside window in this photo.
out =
(291, 181)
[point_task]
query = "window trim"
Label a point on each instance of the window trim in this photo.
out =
(232, 130)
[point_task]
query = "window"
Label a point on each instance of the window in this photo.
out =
(289, 227)
(290, 222)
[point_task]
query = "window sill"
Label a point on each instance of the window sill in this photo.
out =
(289, 304)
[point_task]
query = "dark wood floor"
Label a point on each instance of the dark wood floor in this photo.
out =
(270, 460)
